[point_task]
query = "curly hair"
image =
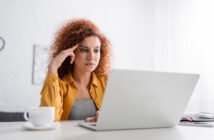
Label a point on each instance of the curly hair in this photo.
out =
(73, 32)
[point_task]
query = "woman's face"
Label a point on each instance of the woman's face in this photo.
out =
(87, 54)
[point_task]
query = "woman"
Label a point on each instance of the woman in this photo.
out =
(78, 71)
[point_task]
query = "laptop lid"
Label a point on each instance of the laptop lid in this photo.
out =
(144, 99)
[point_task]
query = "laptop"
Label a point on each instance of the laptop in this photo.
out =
(143, 99)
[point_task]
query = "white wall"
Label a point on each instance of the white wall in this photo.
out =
(126, 23)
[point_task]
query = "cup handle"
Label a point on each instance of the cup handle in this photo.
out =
(25, 116)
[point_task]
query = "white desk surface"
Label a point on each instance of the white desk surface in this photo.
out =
(70, 130)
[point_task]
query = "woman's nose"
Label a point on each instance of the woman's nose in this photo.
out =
(91, 56)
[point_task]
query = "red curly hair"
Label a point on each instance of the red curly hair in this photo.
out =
(73, 32)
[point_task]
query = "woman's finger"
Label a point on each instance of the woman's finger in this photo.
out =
(92, 119)
(87, 119)
(97, 113)
(72, 48)
(72, 59)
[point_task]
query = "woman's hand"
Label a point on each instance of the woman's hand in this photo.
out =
(93, 119)
(57, 61)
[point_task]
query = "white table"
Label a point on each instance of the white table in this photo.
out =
(70, 130)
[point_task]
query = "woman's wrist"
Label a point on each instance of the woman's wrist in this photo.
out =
(52, 68)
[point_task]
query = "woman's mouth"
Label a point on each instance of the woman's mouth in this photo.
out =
(90, 64)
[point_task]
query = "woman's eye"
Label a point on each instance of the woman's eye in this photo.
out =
(96, 51)
(83, 50)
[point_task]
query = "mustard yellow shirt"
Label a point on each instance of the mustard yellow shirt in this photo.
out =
(65, 92)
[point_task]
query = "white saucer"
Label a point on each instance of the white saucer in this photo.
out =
(30, 126)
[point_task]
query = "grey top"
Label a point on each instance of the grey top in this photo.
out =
(82, 109)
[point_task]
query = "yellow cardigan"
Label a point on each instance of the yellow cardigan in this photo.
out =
(65, 92)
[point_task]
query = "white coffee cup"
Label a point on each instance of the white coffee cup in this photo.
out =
(40, 116)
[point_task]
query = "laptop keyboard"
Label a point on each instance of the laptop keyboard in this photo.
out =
(93, 124)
